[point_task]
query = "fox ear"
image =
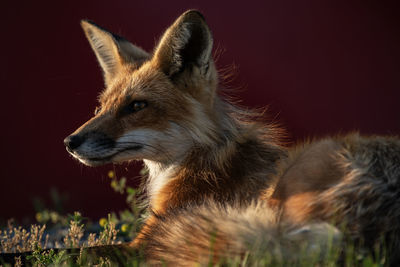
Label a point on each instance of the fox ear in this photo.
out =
(186, 43)
(112, 51)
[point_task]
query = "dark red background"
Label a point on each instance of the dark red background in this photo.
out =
(322, 66)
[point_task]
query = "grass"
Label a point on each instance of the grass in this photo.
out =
(79, 237)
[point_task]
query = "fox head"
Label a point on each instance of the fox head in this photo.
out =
(154, 106)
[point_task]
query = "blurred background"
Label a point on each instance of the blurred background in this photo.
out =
(322, 67)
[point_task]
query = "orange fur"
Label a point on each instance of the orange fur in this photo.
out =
(215, 169)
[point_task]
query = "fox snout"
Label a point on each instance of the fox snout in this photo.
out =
(93, 139)
(73, 141)
(91, 148)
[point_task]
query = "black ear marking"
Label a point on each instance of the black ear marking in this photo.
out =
(187, 43)
(194, 47)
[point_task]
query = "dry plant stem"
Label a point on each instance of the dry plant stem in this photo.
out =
(74, 236)
(107, 237)
(18, 239)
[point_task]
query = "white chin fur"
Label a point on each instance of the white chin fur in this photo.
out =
(117, 158)
(92, 163)
(88, 162)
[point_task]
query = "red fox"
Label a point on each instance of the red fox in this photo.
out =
(216, 170)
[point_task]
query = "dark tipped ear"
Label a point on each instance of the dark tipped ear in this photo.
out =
(188, 42)
(111, 51)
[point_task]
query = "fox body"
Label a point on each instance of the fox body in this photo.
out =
(216, 169)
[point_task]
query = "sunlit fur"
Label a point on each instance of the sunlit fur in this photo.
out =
(216, 171)
(215, 234)
(352, 181)
(187, 136)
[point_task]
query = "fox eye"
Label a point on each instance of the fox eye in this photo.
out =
(135, 106)
(97, 110)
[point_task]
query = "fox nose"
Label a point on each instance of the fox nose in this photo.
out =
(73, 141)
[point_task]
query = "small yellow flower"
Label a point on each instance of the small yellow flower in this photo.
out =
(54, 217)
(103, 222)
(124, 228)
(111, 174)
(38, 217)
